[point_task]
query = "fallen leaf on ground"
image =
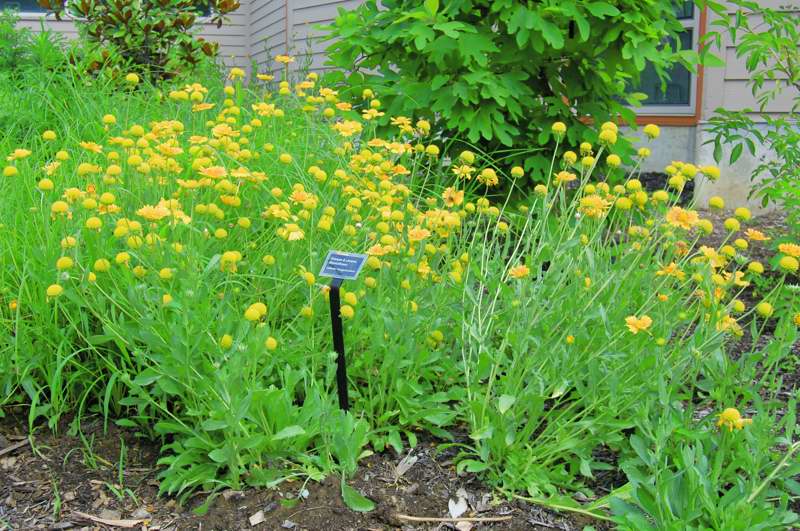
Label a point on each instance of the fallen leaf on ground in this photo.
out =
(127, 524)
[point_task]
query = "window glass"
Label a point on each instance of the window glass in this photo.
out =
(31, 6)
(684, 10)
(678, 90)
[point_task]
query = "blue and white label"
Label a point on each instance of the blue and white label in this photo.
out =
(345, 266)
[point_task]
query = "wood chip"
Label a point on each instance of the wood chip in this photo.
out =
(257, 518)
(15, 446)
(126, 524)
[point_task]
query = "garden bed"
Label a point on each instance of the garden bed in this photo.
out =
(50, 485)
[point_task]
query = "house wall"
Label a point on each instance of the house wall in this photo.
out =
(268, 25)
(305, 39)
(727, 88)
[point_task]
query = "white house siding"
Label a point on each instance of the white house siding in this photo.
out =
(268, 23)
(727, 88)
(305, 38)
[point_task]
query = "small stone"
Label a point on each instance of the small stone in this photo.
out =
(288, 524)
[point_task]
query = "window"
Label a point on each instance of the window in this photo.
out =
(680, 93)
(27, 6)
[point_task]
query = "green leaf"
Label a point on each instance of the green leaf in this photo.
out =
(471, 465)
(505, 402)
(552, 34)
(288, 432)
(431, 6)
(602, 9)
(736, 153)
(355, 500)
(711, 60)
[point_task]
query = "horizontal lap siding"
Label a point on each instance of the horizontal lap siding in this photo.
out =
(727, 87)
(308, 47)
(267, 32)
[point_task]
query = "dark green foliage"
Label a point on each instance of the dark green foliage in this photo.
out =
(154, 38)
(498, 73)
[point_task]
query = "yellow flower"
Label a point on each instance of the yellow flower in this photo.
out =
(623, 203)
(64, 263)
(716, 202)
(153, 213)
(236, 73)
(731, 418)
(789, 263)
(608, 137)
(652, 131)
(452, 197)
(732, 224)
(764, 309)
(638, 324)
(593, 206)
(565, 177)
(284, 59)
(132, 79)
(755, 235)
(681, 218)
(101, 265)
(54, 290)
(558, 128)
(271, 343)
(255, 311)
(755, 267)
(49, 135)
(743, 213)
(226, 341)
(712, 172)
(519, 271)
(790, 249)
(10, 171)
(347, 311)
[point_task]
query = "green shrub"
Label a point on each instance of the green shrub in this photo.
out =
(150, 37)
(499, 72)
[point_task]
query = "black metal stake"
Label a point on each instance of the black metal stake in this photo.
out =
(338, 343)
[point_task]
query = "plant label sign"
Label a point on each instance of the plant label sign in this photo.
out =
(344, 266)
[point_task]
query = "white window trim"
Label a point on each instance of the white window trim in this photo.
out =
(680, 110)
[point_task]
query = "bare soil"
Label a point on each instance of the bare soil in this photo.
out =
(61, 481)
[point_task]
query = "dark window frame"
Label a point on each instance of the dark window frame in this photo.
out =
(689, 81)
